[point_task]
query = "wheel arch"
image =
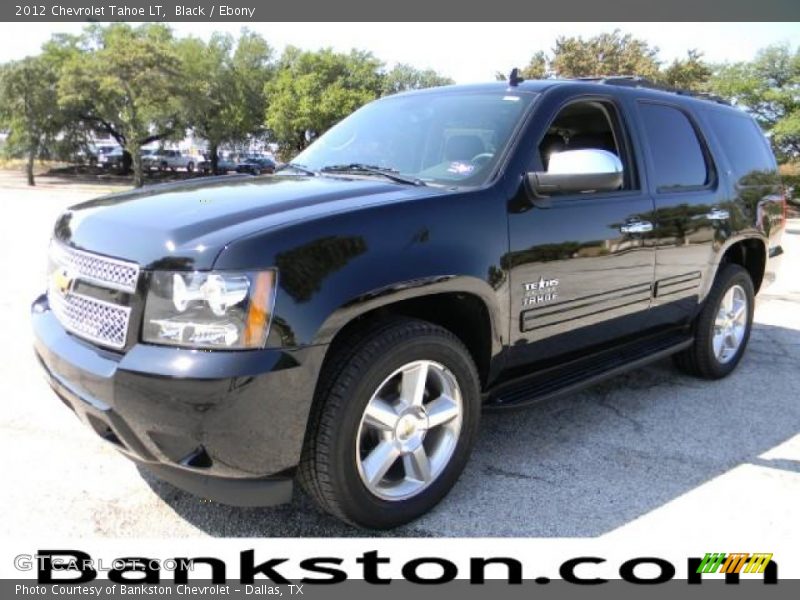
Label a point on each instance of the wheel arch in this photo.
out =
(749, 253)
(460, 309)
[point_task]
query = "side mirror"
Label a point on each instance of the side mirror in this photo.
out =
(578, 171)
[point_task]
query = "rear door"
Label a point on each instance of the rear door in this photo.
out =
(691, 215)
(581, 265)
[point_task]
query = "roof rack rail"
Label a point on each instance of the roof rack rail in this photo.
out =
(643, 82)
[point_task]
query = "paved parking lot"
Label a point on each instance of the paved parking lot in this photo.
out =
(649, 453)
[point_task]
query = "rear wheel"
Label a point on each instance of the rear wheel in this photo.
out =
(722, 328)
(395, 420)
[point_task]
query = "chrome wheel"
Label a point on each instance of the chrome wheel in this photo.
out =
(409, 430)
(730, 324)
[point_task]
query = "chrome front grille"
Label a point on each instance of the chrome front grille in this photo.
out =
(105, 323)
(106, 272)
(90, 318)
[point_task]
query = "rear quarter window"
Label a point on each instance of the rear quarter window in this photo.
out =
(742, 142)
(678, 160)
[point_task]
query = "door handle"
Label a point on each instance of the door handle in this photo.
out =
(637, 227)
(718, 214)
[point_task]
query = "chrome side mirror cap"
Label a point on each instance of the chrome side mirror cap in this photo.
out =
(590, 161)
(578, 172)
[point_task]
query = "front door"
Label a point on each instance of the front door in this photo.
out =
(581, 266)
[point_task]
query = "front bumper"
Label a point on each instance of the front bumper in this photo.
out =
(228, 426)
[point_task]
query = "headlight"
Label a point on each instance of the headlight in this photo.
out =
(207, 309)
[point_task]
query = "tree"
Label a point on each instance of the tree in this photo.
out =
(605, 54)
(312, 91)
(404, 77)
(28, 108)
(768, 87)
(615, 54)
(690, 73)
(126, 82)
(224, 87)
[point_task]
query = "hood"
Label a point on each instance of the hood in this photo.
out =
(186, 225)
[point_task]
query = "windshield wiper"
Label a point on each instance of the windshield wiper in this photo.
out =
(297, 167)
(392, 174)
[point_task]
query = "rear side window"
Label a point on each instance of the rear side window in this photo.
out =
(742, 142)
(677, 155)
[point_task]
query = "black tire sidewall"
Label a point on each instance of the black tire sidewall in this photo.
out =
(356, 501)
(730, 276)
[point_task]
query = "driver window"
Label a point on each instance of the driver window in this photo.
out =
(584, 126)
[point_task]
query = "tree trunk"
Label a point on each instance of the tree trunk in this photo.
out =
(212, 148)
(127, 161)
(138, 179)
(29, 166)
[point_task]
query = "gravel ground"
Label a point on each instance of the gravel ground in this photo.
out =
(647, 453)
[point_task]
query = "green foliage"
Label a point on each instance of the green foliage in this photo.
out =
(605, 54)
(614, 53)
(404, 77)
(537, 67)
(127, 82)
(28, 109)
(314, 90)
(224, 86)
(769, 88)
(690, 73)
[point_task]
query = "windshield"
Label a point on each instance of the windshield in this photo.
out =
(446, 139)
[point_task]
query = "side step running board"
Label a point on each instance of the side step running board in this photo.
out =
(579, 373)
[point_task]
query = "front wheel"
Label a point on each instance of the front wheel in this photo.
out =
(393, 426)
(722, 328)
(189, 167)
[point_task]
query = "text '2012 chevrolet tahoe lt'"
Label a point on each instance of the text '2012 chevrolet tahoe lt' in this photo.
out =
(343, 322)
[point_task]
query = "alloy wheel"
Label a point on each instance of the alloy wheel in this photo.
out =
(409, 430)
(730, 325)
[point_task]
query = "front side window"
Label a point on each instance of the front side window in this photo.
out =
(451, 139)
(677, 155)
(586, 125)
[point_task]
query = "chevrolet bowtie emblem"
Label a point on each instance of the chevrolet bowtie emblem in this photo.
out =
(63, 281)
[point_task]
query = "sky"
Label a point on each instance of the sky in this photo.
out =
(467, 52)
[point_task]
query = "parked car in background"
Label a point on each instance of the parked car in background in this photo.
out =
(109, 157)
(223, 165)
(86, 155)
(256, 165)
(173, 160)
(147, 155)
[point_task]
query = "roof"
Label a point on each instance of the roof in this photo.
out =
(620, 84)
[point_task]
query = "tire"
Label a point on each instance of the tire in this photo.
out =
(705, 359)
(162, 166)
(190, 166)
(338, 452)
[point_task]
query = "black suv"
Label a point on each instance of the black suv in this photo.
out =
(343, 322)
